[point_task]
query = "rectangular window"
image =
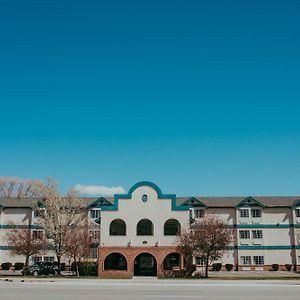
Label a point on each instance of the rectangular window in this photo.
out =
(95, 234)
(258, 260)
(199, 213)
(256, 213)
(49, 258)
(200, 260)
(37, 259)
(257, 234)
(244, 234)
(37, 234)
(244, 213)
(95, 213)
(94, 253)
(298, 238)
(298, 212)
(245, 260)
(40, 212)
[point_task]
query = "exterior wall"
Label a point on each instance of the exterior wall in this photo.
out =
(228, 215)
(17, 216)
(133, 210)
(130, 253)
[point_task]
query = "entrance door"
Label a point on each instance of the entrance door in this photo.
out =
(145, 265)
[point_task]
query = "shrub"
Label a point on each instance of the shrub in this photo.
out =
(86, 268)
(229, 267)
(6, 265)
(275, 267)
(18, 266)
(217, 267)
(198, 274)
(288, 267)
(63, 267)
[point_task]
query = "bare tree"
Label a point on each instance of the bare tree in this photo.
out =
(19, 187)
(209, 238)
(24, 242)
(61, 215)
(77, 243)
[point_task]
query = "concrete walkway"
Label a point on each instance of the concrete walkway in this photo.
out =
(149, 288)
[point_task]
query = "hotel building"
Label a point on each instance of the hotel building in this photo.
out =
(135, 233)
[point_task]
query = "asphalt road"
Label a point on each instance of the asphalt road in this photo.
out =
(149, 289)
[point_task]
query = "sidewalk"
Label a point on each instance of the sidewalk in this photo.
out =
(213, 275)
(253, 274)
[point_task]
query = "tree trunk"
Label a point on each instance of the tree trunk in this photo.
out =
(77, 269)
(59, 267)
(206, 266)
(27, 260)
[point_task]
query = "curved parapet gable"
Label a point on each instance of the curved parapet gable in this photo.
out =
(160, 195)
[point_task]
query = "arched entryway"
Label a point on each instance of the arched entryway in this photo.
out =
(172, 261)
(145, 265)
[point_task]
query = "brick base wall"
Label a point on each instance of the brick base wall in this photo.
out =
(130, 253)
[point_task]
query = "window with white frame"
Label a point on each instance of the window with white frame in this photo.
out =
(200, 260)
(258, 260)
(257, 234)
(95, 213)
(244, 234)
(37, 259)
(95, 234)
(297, 211)
(298, 238)
(39, 212)
(256, 213)
(245, 260)
(244, 213)
(37, 234)
(94, 253)
(199, 213)
(49, 258)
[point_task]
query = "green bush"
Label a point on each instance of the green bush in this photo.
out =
(86, 268)
(63, 267)
(275, 267)
(6, 265)
(229, 267)
(288, 267)
(18, 266)
(217, 267)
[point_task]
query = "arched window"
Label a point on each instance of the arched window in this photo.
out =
(172, 227)
(172, 260)
(144, 227)
(115, 261)
(117, 227)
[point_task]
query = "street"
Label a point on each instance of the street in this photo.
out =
(148, 289)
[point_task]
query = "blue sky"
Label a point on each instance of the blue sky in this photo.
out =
(200, 97)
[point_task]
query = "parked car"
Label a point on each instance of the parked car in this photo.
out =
(41, 268)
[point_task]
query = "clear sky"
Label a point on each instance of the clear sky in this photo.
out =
(200, 97)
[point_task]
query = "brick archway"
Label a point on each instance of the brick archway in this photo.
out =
(145, 264)
(130, 253)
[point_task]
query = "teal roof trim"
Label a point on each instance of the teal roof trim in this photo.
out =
(264, 225)
(160, 195)
(262, 247)
(249, 201)
(296, 203)
(193, 202)
(10, 226)
(99, 203)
